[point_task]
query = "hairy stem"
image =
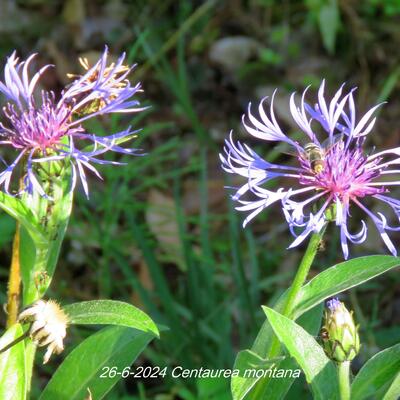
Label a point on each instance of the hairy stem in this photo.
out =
(14, 281)
(344, 380)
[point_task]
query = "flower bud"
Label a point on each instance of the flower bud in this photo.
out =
(339, 333)
(48, 326)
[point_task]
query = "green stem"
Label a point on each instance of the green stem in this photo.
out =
(302, 272)
(298, 281)
(344, 380)
(14, 342)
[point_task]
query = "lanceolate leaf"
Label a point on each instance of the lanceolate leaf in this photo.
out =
(88, 366)
(110, 312)
(276, 389)
(319, 370)
(12, 366)
(248, 363)
(272, 389)
(328, 283)
(393, 392)
(380, 370)
(342, 277)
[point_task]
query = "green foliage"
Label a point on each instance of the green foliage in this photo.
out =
(326, 13)
(253, 387)
(319, 370)
(110, 312)
(41, 251)
(377, 373)
(326, 284)
(211, 302)
(389, 7)
(43, 222)
(341, 277)
(7, 228)
(212, 389)
(88, 366)
(12, 366)
(393, 392)
(19, 210)
(268, 56)
(245, 360)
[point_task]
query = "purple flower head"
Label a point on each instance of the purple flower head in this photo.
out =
(43, 129)
(102, 88)
(332, 171)
(333, 304)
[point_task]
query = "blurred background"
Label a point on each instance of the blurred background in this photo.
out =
(162, 232)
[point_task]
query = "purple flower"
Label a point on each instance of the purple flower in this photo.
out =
(333, 304)
(44, 129)
(332, 171)
(103, 88)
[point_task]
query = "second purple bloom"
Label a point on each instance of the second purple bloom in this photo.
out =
(333, 171)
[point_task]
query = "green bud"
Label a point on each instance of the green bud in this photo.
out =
(330, 213)
(339, 333)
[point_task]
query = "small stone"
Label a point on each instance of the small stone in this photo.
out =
(233, 52)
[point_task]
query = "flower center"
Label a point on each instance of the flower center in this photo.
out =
(343, 171)
(37, 128)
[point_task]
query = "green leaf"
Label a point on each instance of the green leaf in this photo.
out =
(7, 229)
(320, 372)
(17, 209)
(27, 257)
(213, 388)
(275, 389)
(376, 372)
(110, 312)
(12, 366)
(328, 283)
(246, 361)
(342, 277)
(39, 252)
(241, 386)
(57, 226)
(328, 21)
(269, 388)
(394, 390)
(114, 346)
